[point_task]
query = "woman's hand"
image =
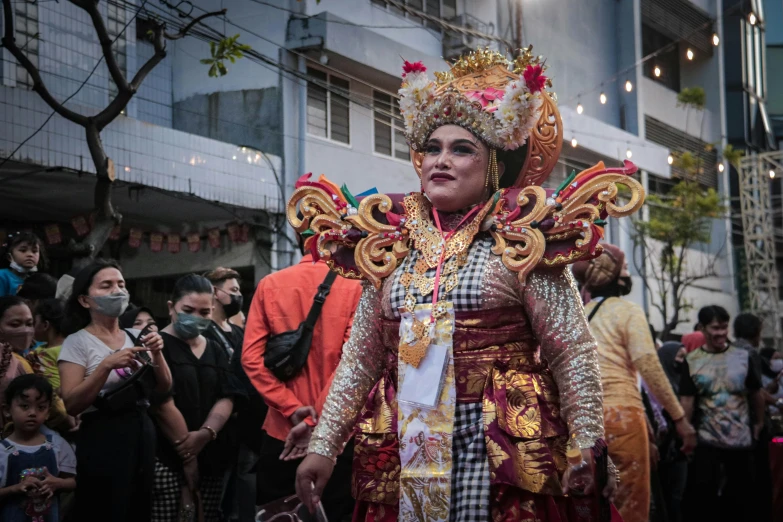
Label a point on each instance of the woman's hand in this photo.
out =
(122, 358)
(311, 478)
(688, 435)
(152, 342)
(586, 483)
(189, 447)
(190, 471)
(296, 442)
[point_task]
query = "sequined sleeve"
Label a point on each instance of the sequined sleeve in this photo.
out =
(360, 368)
(557, 316)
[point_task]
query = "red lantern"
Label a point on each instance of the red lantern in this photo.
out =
(115, 233)
(233, 232)
(194, 242)
(53, 234)
(244, 233)
(174, 243)
(156, 241)
(214, 237)
(134, 237)
(80, 225)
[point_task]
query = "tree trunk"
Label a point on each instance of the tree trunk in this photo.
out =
(106, 217)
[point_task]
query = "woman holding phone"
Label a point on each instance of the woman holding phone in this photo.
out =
(116, 441)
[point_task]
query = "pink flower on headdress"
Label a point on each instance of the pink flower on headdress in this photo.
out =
(415, 67)
(534, 78)
(488, 98)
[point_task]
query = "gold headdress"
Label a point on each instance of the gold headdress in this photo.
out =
(502, 102)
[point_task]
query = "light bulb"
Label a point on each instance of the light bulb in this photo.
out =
(602, 98)
(628, 85)
(657, 71)
(721, 168)
(715, 40)
(579, 108)
(771, 174)
(670, 159)
(752, 18)
(628, 154)
(689, 54)
(574, 143)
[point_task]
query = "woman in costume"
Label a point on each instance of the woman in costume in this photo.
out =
(455, 417)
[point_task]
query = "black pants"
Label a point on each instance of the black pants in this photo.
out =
(277, 479)
(115, 467)
(720, 485)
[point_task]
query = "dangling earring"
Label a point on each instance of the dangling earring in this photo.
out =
(492, 171)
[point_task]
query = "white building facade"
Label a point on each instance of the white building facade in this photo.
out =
(318, 95)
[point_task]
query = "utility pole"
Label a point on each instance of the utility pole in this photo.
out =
(755, 172)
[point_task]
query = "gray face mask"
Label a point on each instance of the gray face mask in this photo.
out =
(112, 305)
(190, 326)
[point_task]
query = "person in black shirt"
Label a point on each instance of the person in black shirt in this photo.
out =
(240, 494)
(193, 450)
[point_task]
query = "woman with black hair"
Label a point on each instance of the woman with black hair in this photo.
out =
(115, 448)
(192, 448)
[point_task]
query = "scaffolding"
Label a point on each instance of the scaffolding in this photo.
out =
(759, 240)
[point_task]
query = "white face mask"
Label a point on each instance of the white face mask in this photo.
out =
(776, 365)
(22, 269)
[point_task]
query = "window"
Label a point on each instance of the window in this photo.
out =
(27, 39)
(446, 9)
(666, 64)
(328, 112)
(116, 25)
(389, 127)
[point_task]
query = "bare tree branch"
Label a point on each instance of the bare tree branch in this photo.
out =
(91, 8)
(198, 19)
(9, 42)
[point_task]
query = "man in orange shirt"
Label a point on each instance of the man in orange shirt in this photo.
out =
(281, 303)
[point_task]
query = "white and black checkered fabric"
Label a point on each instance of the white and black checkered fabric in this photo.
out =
(470, 474)
(166, 492)
(465, 297)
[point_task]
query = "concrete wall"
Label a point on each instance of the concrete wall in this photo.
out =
(579, 42)
(661, 103)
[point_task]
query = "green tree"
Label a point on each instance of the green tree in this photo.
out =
(677, 224)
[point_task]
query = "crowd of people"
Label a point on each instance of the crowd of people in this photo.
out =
(466, 380)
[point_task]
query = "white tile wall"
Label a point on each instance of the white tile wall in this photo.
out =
(143, 153)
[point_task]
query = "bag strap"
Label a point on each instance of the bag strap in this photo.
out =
(223, 340)
(595, 310)
(318, 301)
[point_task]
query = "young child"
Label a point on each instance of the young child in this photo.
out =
(35, 462)
(23, 253)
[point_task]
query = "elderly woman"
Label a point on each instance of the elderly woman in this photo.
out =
(454, 415)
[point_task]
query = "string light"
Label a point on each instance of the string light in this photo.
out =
(689, 54)
(657, 71)
(752, 18)
(771, 174)
(602, 98)
(574, 143)
(715, 40)
(721, 168)
(628, 154)
(579, 108)
(670, 159)
(628, 85)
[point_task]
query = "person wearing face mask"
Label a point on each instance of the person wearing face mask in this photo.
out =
(720, 386)
(115, 446)
(194, 452)
(626, 347)
(23, 253)
(14, 329)
(240, 493)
